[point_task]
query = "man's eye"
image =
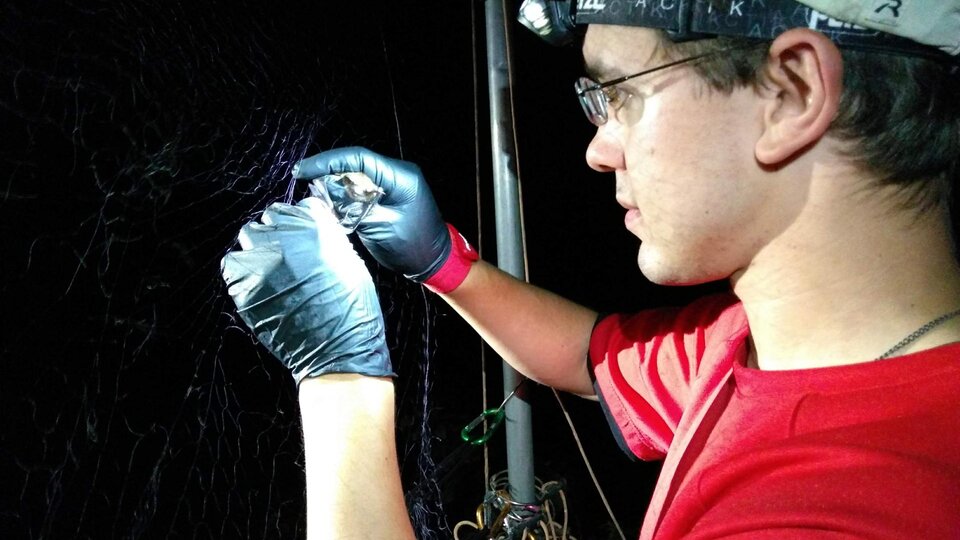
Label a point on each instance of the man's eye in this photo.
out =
(613, 95)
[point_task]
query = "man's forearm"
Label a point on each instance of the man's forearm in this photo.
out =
(542, 335)
(353, 480)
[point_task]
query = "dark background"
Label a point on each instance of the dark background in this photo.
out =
(138, 136)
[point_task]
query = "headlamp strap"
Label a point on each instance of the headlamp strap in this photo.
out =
(684, 20)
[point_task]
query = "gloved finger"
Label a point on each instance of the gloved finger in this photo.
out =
(244, 271)
(379, 216)
(281, 214)
(319, 211)
(255, 234)
(336, 161)
(349, 159)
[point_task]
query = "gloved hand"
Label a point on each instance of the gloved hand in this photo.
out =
(404, 232)
(306, 294)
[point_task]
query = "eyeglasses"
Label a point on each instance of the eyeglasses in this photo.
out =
(598, 98)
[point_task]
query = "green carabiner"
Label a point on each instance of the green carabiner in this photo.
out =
(495, 416)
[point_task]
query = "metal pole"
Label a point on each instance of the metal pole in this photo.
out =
(506, 193)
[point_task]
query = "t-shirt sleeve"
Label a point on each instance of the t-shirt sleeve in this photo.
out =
(645, 367)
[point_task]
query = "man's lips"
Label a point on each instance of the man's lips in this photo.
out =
(633, 217)
(625, 204)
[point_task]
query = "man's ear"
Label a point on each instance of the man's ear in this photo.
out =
(803, 81)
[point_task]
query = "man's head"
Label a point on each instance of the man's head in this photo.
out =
(710, 156)
(900, 114)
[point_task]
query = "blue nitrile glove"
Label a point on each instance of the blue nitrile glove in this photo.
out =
(306, 294)
(404, 232)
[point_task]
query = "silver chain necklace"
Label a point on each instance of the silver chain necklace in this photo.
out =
(919, 332)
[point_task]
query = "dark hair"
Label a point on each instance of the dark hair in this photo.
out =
(901, 114)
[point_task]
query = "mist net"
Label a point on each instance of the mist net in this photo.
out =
(138, 137)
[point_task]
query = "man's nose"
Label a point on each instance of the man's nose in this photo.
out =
(604, 153)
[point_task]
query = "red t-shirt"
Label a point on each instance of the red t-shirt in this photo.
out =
(869, 450)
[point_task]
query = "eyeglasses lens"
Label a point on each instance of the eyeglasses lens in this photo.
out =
(592, 100)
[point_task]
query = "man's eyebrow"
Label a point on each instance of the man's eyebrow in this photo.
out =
(601, 72)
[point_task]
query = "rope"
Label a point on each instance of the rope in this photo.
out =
(516, 149)
(548, 526)
(523, 234)
(477, 182)
(500, 518)
(583, 454)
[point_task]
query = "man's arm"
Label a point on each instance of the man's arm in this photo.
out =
(540, 334)
(305, 293)
(353, 479)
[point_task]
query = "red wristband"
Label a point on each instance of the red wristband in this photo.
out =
(457, 265)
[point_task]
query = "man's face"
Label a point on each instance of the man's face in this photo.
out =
(683, 156)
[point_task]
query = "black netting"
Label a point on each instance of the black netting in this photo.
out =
(138, 137)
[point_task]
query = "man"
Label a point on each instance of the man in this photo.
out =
(815, 400)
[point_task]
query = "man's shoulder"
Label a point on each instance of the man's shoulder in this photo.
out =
(705, 335)
(715, 314)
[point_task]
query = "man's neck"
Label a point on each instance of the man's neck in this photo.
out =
(843, 286)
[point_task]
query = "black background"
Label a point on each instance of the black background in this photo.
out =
(139, 136)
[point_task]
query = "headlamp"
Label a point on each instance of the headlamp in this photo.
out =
(551, 20)
(558, 21)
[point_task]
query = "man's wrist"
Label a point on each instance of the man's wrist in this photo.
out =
(456, 267)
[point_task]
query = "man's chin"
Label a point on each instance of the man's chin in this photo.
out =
(660, 272)
(656, 272)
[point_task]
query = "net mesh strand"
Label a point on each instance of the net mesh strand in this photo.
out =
(139, 136)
